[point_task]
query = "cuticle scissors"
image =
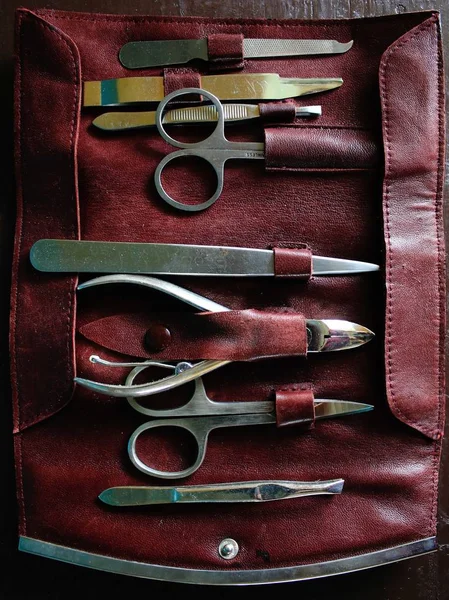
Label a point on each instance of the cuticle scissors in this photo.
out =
(201, 415)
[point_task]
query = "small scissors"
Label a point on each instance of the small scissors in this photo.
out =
(215, 149)
(200, 415)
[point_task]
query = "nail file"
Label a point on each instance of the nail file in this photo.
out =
(82, 256)
(159, 53)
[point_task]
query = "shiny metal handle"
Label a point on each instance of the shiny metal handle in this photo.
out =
(204, 149)
(216, 163)
(215, 140)
(200, 428)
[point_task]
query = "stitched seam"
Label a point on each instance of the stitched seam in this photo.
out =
(387, 223)
(220, 22)
(438, 216)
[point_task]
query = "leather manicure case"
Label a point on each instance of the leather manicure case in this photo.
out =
(381, 204)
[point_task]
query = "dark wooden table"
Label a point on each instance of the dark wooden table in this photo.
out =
(26, 576)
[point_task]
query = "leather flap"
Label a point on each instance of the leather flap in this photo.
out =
(233, 335)
(47, 84)
(413, 133)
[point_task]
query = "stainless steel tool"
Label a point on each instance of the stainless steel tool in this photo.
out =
(158, 53)
(82, 256)
(236, 86)
(215, 149)
(324, 335)
(201, 415)
(206, 113)
(239, 491)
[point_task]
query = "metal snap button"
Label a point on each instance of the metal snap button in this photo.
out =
(228, 549)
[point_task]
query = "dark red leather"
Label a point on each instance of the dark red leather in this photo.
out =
(292, 262)
(234, 335)
(277, 112)
(76, 446)
(47, 179)
(225, 51)
(320, 148)
(178, 79)
(295, 407)
(412, 208)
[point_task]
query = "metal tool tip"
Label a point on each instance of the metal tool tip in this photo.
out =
(309, 111)
(347, 46)
(361, 335)
(365, 407)
(101, 122)
(367, 334)
(107, 497)
(336, 486)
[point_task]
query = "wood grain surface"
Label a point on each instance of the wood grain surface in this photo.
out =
(26, 576)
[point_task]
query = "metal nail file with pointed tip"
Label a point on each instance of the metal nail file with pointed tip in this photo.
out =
(160, 53)
(82, 256)
(246, 491)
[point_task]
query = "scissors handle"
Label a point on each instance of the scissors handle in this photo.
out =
(215, 150)
(200, 428)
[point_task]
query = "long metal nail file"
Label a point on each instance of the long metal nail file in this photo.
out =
(247, 491)
(250, 86)
(117, 121)
(74, 256)
(159, 53)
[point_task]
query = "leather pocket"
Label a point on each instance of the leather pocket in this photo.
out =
(48, 82)
(321, 149)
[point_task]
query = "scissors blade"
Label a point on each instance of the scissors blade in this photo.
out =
(249, 491)
(328, 409)
(250, 86)
(207, 113)
(82, 256)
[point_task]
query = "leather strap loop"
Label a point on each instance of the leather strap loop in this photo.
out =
(178, 79)
(295, 406)
(278, 112)
(292, 263)
(225, 51)
(320, 149)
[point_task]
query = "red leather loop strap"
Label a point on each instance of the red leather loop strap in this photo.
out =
(225, 50)
(293, 263)
(233, 335)
(178, 79)
(278, 112)
(295, 406)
